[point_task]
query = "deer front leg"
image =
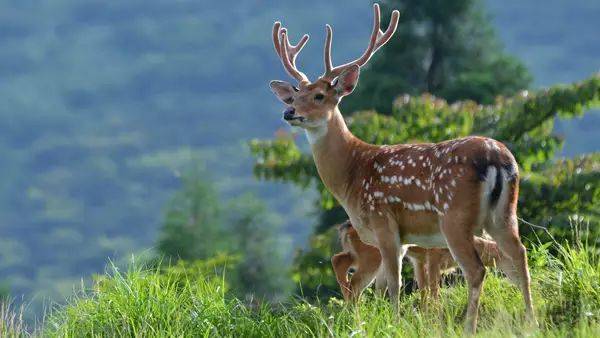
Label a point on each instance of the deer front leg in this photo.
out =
(380, 281)
(392, 253)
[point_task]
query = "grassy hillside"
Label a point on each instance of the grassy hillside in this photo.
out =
(195, 302)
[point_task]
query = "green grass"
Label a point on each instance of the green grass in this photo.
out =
(177, 302)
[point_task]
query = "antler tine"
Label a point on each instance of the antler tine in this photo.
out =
(378, 39)
(293, 50)
(288, 52)
(327, 53)
(383, 38)
(276, 44)
(374, 35)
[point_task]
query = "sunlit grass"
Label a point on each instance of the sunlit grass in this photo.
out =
(11, 320)
(160, 302)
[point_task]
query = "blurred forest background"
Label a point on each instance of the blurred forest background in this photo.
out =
(126, 124)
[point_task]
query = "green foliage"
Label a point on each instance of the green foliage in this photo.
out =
(198, 226)
(181, 301)
(563, 192)
(529, 112)
(280, 159)
(312, 270)
(447, 48)
(192, 228)
(256, 240)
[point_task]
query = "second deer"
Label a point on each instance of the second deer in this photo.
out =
(364, 261)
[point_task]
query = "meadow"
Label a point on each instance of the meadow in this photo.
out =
(195, 301)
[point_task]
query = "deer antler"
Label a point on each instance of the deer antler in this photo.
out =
(287, 52)
(378, 39)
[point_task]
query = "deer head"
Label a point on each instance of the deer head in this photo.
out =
(311, 104)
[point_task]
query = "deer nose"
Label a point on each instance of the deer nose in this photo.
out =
(288, 114)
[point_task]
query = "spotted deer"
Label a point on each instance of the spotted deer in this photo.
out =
(363, 261)
(426, 194)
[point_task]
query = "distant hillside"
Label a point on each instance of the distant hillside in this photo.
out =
(105, 103)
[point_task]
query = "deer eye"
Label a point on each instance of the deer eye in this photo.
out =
(319, 97)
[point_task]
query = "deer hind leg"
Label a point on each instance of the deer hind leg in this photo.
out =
(506, 235)
(420, 276)
(459, 236)
(420, 272)
(434, 273)
(502, 225)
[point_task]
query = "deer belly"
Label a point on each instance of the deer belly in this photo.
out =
(431, 240)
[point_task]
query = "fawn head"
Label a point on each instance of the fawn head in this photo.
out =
(311, 104)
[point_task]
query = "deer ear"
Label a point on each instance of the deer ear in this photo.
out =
(347, 81)
(283, 90)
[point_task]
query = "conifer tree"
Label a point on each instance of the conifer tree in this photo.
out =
(446, 48)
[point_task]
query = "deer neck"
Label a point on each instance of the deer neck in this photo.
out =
(333, 147)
